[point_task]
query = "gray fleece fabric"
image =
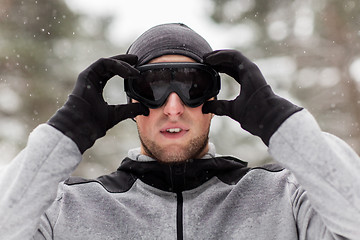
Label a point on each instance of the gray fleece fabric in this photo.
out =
(317, 196)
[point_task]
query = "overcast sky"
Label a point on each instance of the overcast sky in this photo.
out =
(136, 16)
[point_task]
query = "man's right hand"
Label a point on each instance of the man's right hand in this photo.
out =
(86, 116)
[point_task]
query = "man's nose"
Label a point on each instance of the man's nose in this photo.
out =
(173, 106)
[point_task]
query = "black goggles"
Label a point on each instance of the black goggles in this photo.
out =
(194, 83)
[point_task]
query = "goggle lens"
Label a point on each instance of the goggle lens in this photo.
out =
(193, 82)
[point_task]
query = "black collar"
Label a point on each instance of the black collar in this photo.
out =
(175, 177)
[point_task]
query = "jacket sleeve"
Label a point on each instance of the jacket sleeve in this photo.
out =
(328, 202)
(28, 185)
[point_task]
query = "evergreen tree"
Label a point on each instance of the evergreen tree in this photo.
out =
(320, 40)
(44, 46)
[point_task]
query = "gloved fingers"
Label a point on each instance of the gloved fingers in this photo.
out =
(129, 58)
(122, 69)
(236, 65)
(224, 57)
(118, 113)
(230, 62)
(105, 68)
(102, 70)
(218, 107)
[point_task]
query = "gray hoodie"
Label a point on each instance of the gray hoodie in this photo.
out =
(313, 192)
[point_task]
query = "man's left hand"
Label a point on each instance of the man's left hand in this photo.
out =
(257, 108)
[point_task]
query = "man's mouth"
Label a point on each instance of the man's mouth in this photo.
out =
(173, 132)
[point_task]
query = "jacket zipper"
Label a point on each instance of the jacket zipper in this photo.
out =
(179, 216)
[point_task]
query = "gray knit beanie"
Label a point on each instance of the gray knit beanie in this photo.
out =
(168, 39)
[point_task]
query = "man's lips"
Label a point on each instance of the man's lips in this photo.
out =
(174, 131)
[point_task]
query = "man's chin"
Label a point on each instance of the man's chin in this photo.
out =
(172, 154)
(175, 152)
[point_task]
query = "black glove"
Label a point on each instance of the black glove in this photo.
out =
(85, 116)
(257, 108)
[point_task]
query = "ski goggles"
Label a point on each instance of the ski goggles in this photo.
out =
(194, 83)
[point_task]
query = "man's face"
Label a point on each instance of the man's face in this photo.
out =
(174, 132)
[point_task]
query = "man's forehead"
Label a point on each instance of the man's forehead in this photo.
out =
(172, 58)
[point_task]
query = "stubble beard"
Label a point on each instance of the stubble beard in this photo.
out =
(192, 151)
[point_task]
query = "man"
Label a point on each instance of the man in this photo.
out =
(175, 186)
